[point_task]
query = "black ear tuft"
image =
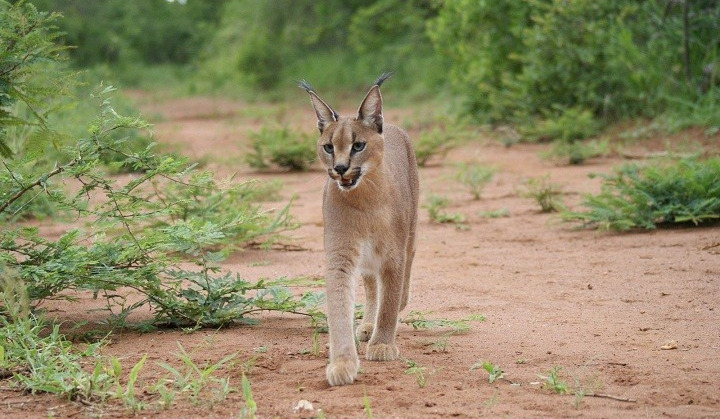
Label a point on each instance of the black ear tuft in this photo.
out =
(384, 76)
(305, 86)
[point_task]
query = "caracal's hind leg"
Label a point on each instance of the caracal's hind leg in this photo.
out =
(406, 281)
(410, 255)
(365, 328)
(381, 346)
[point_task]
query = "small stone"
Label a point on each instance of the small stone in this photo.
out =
(590, 286)
(671, 344)
(304, 409)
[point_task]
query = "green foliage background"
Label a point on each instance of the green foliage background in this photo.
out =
(502, 60)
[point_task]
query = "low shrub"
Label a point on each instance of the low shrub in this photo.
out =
(575, 152)
(677, 192)
(281, 147)
(142, 231)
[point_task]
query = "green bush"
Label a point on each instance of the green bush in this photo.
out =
(515, 61)
(682, 192)
(140, 230)
(483, 43)
(281, 147)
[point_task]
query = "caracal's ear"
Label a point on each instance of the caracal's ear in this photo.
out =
(370, 112)
(325, 114)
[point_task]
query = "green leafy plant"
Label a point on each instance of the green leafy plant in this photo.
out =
(281, 147)
(634, 196)
(553, 382)
(474, 177)
(137, 233)
(419, 320)
(442, 342)
(436, 205)
(545, 193)
(421, 373)
(494, 371)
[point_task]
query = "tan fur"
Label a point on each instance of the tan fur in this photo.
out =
(369, 230)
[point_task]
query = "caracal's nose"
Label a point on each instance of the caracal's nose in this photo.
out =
(341, 169)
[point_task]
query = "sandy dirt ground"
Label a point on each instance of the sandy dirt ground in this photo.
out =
(599, 305)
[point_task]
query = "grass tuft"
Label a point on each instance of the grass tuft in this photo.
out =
(474, 177)
(545, 193)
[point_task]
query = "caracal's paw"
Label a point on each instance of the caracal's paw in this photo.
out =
(342, 371)
(382, 352)
(364, 331)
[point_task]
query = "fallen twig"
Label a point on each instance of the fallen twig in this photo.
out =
(609, 396)
(286, 247)
(710, 246)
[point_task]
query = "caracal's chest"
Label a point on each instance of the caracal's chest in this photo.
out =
(369, 258)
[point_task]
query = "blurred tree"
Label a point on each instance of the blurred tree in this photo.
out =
(148, 31)
(616, 58)
(32, 84)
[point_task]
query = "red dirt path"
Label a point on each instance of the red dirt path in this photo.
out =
(600, 305)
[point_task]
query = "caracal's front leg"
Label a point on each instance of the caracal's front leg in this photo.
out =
(340, 293)
(381, 346)
(365, 329)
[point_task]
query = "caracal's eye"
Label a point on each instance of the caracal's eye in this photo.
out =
(328, 148)
(356, 147)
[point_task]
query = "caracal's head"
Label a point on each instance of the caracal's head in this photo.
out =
(350, 148)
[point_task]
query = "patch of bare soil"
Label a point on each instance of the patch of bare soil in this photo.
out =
(599, 305)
